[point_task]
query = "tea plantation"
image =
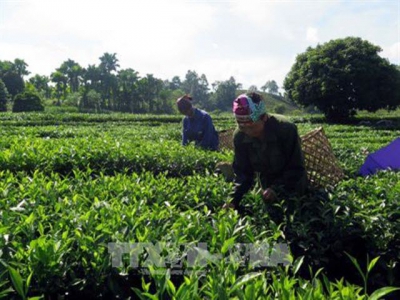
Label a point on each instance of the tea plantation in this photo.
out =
(112, 206)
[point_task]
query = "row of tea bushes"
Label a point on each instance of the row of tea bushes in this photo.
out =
(41, 119)
(58, 229)
(105, 153)
(123, 132)
(71, 119)
(114, 147)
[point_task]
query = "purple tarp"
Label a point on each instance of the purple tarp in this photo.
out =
(385, 158)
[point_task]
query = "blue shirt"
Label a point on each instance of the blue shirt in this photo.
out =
(200, 129)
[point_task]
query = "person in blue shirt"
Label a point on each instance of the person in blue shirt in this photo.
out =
(197, 125)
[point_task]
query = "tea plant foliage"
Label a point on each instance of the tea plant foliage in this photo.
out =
(71, 185)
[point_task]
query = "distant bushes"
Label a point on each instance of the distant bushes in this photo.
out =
(27, 101)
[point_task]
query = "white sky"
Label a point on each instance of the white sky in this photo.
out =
(253, 41)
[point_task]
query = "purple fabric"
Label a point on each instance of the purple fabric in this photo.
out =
(385, 158)
(241, 106)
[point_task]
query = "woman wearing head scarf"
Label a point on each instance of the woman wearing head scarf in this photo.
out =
(268, 145)
(197, 125)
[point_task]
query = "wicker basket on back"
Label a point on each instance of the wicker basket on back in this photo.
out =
(226, 139)
(322, 167)
(321, 164)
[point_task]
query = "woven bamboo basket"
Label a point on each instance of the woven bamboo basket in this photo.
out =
(226, 139)
(322, 167)
(321, 164)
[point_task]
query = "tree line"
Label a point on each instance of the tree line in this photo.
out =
(338, 78)
(106, 87)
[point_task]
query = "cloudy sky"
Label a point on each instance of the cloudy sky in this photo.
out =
(253, 41)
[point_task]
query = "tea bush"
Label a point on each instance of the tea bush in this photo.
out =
(73, 184)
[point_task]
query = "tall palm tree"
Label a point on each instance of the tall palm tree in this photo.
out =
(61, 85)
(20, 67)
(108, 64)
(74, 73)
(91, 77)
(41, 83)
(127, 90)
(149, 89)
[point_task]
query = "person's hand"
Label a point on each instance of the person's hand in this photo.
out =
(228, 206)
(269, 196)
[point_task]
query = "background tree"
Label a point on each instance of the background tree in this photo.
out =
(271, 87)
(91, 101)
(3, 96)
(9, 74)
(342, 76)
(14, 83)
(225, 93)
(175, 83)
(61, 82)
(197, 87)
(73, 71)
(252, 88)
(202, 92)
(20, 67)
(127, 90)
(149, 88)
(41, 84)
(108, 66)
(91, 78)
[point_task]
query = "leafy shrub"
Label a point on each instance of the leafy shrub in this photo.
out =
(27, 101)
(73, 99)
(91, 101)
(280, 109)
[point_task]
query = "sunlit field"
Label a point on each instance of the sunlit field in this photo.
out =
(112, 206)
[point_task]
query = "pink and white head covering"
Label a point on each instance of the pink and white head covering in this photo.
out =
(246, 110)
